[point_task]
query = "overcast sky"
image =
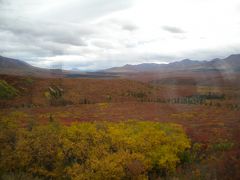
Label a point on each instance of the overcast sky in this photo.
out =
(97, 34)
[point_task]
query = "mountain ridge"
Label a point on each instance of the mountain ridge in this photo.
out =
(230, 63)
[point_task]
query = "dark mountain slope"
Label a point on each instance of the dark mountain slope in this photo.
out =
(11, 66)
(12, 63)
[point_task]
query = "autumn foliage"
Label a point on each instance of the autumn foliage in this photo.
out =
(91, 150)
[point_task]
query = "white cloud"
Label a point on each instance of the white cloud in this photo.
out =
(97, 34)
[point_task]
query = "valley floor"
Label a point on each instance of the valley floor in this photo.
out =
(210, 116)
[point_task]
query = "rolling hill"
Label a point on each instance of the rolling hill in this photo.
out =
(231, 63)
(11, 66)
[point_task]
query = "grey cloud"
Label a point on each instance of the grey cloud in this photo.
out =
(103, 44)
(24, 38)
(129, 27)
(67, 35)
(70, 40)
(29, 47)
(123, 24)
(82, 11)
(136, 44)
(2, 2)
(40, 31)
(173, 29)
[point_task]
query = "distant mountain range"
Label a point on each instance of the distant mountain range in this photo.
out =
(17, 67)
(231, 63)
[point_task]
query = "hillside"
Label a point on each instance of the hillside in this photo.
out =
(11, 66)
(231, 63)
(13, 63)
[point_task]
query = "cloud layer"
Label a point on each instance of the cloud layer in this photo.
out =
(97, 34)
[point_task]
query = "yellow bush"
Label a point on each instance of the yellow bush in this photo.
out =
(97, 150)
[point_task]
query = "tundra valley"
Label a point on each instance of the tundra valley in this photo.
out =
(147, 121)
